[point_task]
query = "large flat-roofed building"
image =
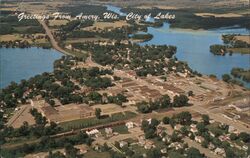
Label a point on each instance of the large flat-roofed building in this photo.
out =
(67, 112)
(241, 106)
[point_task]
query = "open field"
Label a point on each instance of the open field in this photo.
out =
(77, 40)
(218, 15)
(108, 109)
(156, 6)
(23, 114)
(57, 22)
(245, 38)
(240, 50)
(179, 3)
(9, 37)
(106, 25)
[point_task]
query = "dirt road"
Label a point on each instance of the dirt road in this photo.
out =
(52, 39)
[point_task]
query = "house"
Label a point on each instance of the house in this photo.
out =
(193, 129)
(231, 129)
(130, 125)
(199, 139)
(149, 121)
(69, 47)
(211, 134)
(142, 142)
(219, 151)
(176, 145)
(159, 131)
(166, 139)
(149, 144)
(211, 121)
(223, 138)
(109, 131)
(123, 143)
(164, 151)
(211, 146)
(92, 132)
(177, 127)
(193, 125)
(244, 147)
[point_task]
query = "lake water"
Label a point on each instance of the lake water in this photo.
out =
(17, 64)
(193, 47)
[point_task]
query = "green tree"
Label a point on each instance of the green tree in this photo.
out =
(98, 113)
(143, 107)
(194, 153)
(165, 101)
(166, 120)
(226, 77)
(233, 136)
(245, 137)
(205, 119)
(204, 144)
(201, 127)
(184, 118)
(154, 153)
(190, 93)
(180, 100)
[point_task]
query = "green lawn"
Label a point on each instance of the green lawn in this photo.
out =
(88, 122)
(240, 50)
(122, 129)
(95, 154)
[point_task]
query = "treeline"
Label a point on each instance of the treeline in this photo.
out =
(116, 33)
(46, 144)
(186, 18)
(163, 102)
(227, 78)
(241, 74)
(75, 24)
(7, 134)
(144, 37)
(72, 30)
(86, 9)
(15, 44)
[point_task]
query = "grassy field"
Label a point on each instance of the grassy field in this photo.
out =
(240, 50)
(57, 22)
(122, 129)
(88, 122)
(218, 15)
(103, 25)
(245, 38)
(94, 154)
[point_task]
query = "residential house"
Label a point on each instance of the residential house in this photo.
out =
(199, 139)
(123, 143)
(130, 125)
(219, 151)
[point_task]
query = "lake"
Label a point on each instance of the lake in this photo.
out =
(17, 64)
(193, 47)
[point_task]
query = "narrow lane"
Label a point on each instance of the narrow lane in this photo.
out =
(52, 39)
